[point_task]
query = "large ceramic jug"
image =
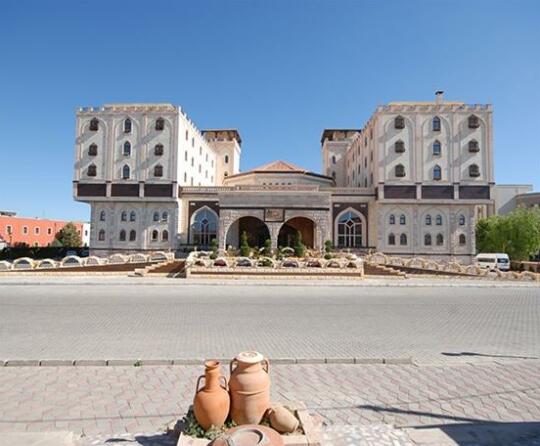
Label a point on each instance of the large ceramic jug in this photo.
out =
(212, 402)
(249, 385)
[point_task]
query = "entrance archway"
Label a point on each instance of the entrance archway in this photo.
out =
(288, 231)
(256, 230)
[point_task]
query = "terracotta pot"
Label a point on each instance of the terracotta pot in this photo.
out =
(249, 435)
(282, 419)
(211, 403)
(250, 388)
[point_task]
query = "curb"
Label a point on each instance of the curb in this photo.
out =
(193, 361)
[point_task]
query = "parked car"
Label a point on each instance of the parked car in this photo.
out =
(493, 261)
(71, 252)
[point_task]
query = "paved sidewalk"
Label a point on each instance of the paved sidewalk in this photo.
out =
(102, 402)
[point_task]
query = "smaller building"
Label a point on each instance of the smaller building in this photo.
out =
(506, 196)
(35, 231)
(528, 200)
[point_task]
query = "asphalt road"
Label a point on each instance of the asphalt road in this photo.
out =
(430, 324)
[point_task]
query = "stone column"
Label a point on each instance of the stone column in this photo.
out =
(274, 228)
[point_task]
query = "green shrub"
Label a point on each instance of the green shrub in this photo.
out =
(328, 246)
(244, 245)
(299, 247)
(328, 256)
(268, 247)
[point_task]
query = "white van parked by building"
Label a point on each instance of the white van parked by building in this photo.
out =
(493, 261)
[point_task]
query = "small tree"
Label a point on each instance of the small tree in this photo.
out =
(268, 247)
(214, 248)
(244, 245)
(299, 247)
(328, 246)
(69, 237)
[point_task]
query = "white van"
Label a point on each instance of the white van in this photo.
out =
(493, 261)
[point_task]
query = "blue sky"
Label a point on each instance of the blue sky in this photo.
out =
(279, 71)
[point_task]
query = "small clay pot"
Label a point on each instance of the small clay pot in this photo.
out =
(282, 419)
(212, 402)
(249, 435)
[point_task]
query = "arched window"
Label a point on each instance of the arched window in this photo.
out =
(132, 216)
(428, 220)
(92, 170)
(402, 219)
(158, 171)
(427, 240)
(474, 122)
(165, 235)
(92, 150)
(155, 235)
(160, 124)
(473, 146)
(399, 146)
(132, 235)
(126, 150)
(102, 216)
(403, 239)
(127, 126)
(474, 170)
(158, 149)
(399, 122)
(333, 159)
(392, 219)
(461, 220)
(462, 239)
(334, 175)
(94, 125)
(226, 159)
(122, 236)
(126, 172)
(156, 216)
(123, 216)
(438, 220)
(101, 235)
(165, 216)
(391, 239)
(400, 170)
(349, 227)
(204, 227)
(436, 124)
(437, 174)
(436, 148)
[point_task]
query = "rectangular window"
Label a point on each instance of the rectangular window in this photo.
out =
(185, 155)
(185, 177)
(49, 231)
(36, 230)
(25, 229)
(9, 229)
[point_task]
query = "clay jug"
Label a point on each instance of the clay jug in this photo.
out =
(249, 385)
(282, 419)
(211, 403)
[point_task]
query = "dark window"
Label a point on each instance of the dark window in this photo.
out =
(132, 235)
(125, 172)
(132, 216)
(403, 239)
(474, 122)
(165, 235)
(102, 216)
(349, 230)
(440, 239)
(101, 235)
(155, 235)
(402, 219)
(160, 124)
(158, 171)
(400, 170)
(94, 125)
(427, 239)
(399, 146)
(122, 236)
(158, 149)
(92, 150)
(165, 216)
(436, 148)
(127, 126)
(462, 220)
(392, 219)
(462, 239)
(436, 124)
(334, 159)
(474, 170)
(123, 216)
(399, 122)
(391, 239)
(92, 170)
(226, 159)
(204, 227)
(438, 220)
(126, 149)
(334, 175)
(428, 220)
(156, 216)
(437, 175)
(473, 146)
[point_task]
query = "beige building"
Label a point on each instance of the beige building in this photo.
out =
(412, 181)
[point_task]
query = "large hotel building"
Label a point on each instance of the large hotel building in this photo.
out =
(413, 181)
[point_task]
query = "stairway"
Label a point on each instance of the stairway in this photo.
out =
(170, 268)
(372, 269)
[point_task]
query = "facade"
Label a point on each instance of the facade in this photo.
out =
(505, 196)
(528, 200)
(35, 231)
(412, 181)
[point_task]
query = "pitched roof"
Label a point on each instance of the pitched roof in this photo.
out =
(279, 166)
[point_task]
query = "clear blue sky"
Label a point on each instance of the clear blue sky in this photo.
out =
(279, 71)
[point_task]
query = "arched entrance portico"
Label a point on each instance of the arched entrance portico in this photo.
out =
(256, 230)
(289, 229)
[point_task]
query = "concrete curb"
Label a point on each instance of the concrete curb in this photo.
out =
(193, 361)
